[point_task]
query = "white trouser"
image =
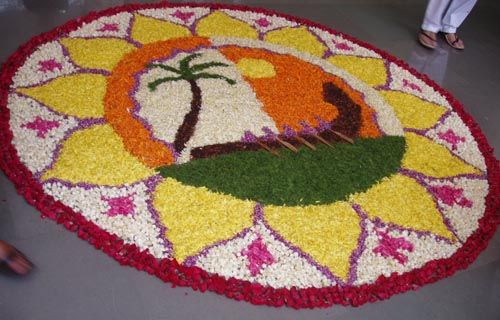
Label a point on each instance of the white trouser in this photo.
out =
(446, 15)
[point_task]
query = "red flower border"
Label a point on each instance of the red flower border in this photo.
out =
(198, 279)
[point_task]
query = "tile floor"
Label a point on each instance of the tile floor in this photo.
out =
(74, 281)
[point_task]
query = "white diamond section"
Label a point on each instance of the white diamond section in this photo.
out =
(403, 80)
(464, 204)
(46, 62)
(36, 148)
(372, 263)
(286, 270)
(180, 15)
(110, 26)
(341, 46)
(456, 136)
(122, 211)
(259, 21)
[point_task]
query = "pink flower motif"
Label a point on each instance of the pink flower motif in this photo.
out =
(120, 205)
(342, 46)
(411, 85)
(49, 65)
(389, 246)
(452, 196)
(258, 255)
(184, 16)
(41, 126)
(263, 22)
(450, 137)
(109, 27)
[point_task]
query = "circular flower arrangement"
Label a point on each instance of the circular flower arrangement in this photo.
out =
(248, 153)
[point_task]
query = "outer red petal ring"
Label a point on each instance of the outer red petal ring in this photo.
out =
(198, 279)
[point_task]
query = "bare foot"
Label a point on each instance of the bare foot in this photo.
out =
(427, 39)
(14, 259)
(454, 41)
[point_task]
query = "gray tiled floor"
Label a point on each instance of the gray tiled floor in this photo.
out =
(74, 281)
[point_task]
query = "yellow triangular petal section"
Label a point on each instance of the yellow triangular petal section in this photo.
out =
(328, 233)
(147, 30)
(372, 71)
(402, 201)
(97, 156)
(79, 95)
(412, 111)
(219, 24)
(298, 38)
(101, 53)
(196, 218)
(432, 159)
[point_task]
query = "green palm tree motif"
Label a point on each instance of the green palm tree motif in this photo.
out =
(190, 74)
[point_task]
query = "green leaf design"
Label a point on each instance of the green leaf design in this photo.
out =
(152, 85)
(307, 177)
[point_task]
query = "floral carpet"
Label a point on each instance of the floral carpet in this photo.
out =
(248, 153)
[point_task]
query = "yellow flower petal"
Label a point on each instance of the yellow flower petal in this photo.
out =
(372, 71)
(402, 201)
(147, 30)
(433, 159)
(97, 156)
(195, 217)
(103, 53)
(256, 68)
(221, 25)
(412, 111)
(297, 38)
(79, 95)
(328, 233)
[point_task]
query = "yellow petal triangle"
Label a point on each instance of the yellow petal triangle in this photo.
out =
(147, 30)
(79, 95)
(432, 159)
(196, 218)
(400, 200)
(219, 24)
(97, 156)
(328, 233)
(412, 111)
(297, 38)
(372, 71)
(101, 53)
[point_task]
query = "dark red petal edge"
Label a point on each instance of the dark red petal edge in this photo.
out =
(178, 275)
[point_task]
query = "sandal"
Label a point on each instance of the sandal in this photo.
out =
(457, 43)
(426, 40)
(15, 260)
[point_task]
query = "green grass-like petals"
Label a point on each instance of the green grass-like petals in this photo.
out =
(308, 177)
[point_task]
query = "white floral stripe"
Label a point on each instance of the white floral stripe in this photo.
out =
(467, 149)
(405, 81)
(338, 45)
(268, 22)
(288, 270)
(464, 218)
(138, 228)
(169, 14)
(34, 151)
(110, 26)
(425, 247)
(32, 71)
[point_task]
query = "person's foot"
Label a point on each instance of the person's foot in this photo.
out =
(454, 41)
(14, 259)
(427, 39)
